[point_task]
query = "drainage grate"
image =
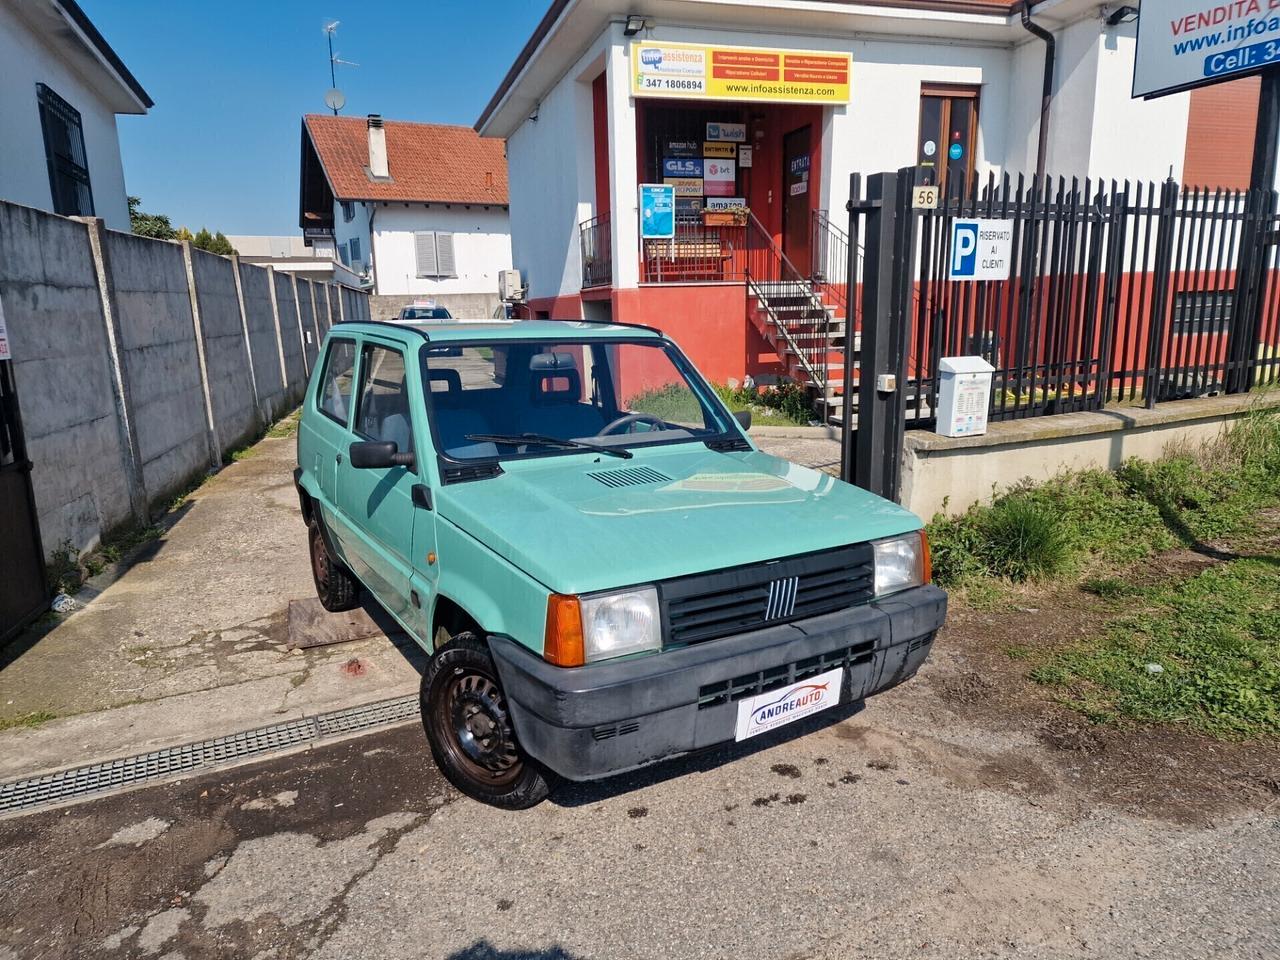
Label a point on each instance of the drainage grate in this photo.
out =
(131, 771)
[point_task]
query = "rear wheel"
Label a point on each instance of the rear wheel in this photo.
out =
(468, 726)
(335, 586)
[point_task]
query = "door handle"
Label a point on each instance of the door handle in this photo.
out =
(338, 458)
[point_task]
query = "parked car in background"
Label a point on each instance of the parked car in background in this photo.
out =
(424, 311)
(603, 567)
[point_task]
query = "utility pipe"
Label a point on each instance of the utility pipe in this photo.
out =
(1046, 93)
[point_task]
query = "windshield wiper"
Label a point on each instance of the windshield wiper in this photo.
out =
(542, 440)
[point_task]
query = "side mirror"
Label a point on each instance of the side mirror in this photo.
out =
(744, 419)
(367, 454)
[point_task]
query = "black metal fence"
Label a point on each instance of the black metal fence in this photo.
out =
(1116, 292)
(596, 245)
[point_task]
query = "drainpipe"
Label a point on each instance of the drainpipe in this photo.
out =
(1046, 93)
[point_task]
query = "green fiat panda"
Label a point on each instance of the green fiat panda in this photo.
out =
(604, 569)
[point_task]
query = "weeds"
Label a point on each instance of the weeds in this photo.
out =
(1082, 520)
(29, 720)
(286, 426)
(1204, 652)
(786, 405)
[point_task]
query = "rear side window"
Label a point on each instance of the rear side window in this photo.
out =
(384, 398)
(338, 380)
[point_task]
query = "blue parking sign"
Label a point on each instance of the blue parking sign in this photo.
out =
(981, 249)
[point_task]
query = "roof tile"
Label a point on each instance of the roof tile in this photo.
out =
(429, 162)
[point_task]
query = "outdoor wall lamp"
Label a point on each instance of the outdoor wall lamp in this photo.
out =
(633, 26)
(1125, 14)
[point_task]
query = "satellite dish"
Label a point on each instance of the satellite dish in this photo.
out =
(335, 100)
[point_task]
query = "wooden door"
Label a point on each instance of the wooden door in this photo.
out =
(795, 198)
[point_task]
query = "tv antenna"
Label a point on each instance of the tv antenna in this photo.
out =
(334, 98)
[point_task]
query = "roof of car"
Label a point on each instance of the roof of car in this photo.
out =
(503, 330)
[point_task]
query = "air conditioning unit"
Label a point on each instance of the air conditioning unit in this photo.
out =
(510, 285)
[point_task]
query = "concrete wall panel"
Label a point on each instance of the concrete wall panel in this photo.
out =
(62, 369)
(255, 282)
(295, 372)
(235, 412)
(161, 364)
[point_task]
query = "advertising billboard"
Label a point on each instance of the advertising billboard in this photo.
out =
(693, 71)
(1183, 44)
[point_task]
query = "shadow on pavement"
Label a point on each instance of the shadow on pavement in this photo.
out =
(571, 794)
(484, 950)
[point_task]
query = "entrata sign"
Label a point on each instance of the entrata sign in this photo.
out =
(692, 71)
(1184, 44)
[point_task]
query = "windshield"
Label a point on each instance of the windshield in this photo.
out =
(425, 313)
(531, 398)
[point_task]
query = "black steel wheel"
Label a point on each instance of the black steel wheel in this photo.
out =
(468, 726)
(335, 586)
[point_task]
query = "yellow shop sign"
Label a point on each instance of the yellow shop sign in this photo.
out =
(696, 72)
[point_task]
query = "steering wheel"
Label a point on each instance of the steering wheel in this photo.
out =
(627, 419)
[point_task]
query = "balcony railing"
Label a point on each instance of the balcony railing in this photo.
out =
(699, 252)
(597, 251)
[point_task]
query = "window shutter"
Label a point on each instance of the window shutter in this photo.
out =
(444, 255)
(424, 249)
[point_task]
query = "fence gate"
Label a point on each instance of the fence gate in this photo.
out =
(23, 594)
(1117, 293)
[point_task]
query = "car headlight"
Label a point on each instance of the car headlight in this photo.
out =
(902, 563)
(585, 629)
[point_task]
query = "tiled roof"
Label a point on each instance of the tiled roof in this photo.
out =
(429, 162)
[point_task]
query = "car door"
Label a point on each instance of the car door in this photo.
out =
(326, 430)
(378, 502)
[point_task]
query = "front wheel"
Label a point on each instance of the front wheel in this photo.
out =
(468, 726)
(335, 586)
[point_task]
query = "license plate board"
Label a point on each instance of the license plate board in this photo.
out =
(768, 711)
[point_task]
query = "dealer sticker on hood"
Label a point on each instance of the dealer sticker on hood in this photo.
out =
(767, 711)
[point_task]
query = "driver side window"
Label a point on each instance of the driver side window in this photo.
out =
(383, 411)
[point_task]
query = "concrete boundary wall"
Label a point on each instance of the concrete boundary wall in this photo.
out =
(950, 474)
(140, 363)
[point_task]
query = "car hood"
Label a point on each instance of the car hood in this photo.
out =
(581, 523)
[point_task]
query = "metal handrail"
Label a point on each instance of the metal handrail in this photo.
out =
(596, 244)
(773, 278)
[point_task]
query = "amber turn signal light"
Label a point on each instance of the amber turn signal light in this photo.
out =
(926, 559)
(563, 643)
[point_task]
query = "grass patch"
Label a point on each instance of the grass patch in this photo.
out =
(286, 426)
(1080, 522)
(785, 406)
(1204, 652)
(29, 720)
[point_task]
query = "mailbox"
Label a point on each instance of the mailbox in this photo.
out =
(964, 394)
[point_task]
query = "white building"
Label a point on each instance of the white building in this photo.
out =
(314, 258)
(61, 87)
(801, 94)
(418, 209)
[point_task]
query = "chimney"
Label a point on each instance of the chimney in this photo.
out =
(377, 148)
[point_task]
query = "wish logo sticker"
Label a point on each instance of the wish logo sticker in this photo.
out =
(768, 711)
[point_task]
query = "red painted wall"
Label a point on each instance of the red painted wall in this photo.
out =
(600, 124)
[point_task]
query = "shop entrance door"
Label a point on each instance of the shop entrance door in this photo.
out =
(795, 198)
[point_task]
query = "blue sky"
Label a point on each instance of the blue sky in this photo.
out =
(231, 81)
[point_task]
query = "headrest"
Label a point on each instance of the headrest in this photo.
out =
(450, 378)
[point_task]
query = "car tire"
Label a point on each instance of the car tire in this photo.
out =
(470, 732)
(335, 586)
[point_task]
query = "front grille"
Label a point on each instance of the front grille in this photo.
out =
(710, 605)
(762, 681)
